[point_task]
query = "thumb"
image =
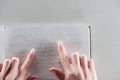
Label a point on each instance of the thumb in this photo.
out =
(58, 72)
(33, 77)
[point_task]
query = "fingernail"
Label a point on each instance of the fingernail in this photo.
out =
(51, 70)
(32, 51)
(60, 43)
(15, 60)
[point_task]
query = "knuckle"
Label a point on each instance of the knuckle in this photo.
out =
(75, 54)
(23, 69)
(64, 59)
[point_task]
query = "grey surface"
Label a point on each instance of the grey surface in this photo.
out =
(19, 40)
(102, 15)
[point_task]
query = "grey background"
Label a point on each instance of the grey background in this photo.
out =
(102, 15)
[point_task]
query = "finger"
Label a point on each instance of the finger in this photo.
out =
(76, 61)
(84, 62)
(32, 78)
(63, 56)
(91, 67)
(13, 70)
(28, 61)
(76, 66)
(58, 72)
(5, 67)
(84, 65)
(61, 50)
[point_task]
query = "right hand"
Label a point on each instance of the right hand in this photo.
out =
(80, 68)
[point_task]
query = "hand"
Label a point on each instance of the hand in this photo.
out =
(80, 68)
(10, 69)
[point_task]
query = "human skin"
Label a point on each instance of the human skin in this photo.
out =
(80, 68)
(11, 70)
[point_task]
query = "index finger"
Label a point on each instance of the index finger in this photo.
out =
(63, 56)
(28, 61)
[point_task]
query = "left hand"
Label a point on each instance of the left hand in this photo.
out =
(10, 69)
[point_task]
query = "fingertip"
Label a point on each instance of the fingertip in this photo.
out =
(32, 51)
(60, 45)
(14, 60)
(75, 54)
(84, 62)
(84, 56)
(61, 48)
(92, 68)
(75, 59)
(29, 59)
(58, 72)
(8, 60)
(90, 63)
(5, 66)
(59, 42)
(52, 69)
(55, 70)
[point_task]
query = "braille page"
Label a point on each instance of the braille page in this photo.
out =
(19, 41)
